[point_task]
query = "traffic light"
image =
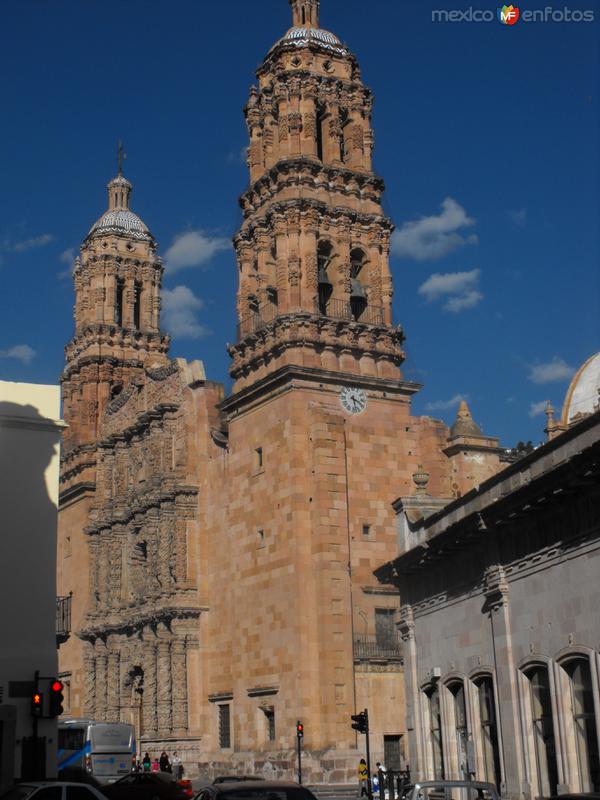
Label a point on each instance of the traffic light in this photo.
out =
(299, 729)
(56, 698)
(360, 722)
(37, 704)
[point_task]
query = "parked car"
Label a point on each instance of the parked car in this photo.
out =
(148, 786)
(235, 778)
(255, 790)
(450, 790)
(53, 790)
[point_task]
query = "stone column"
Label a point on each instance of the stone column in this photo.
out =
(149, 702)
(308, 249)
(89, 678)
(101, 682)
(94, 545)
(163, 661)
(406, 627)
(509, 736)
(113, 693)
(179, 686)
(281, 249)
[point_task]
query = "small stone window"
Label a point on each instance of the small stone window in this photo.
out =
(67, 546)
(260, 537)
(366, 529)
(224, 726)
(258, 458)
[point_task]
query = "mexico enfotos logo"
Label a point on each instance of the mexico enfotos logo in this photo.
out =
(509, 15)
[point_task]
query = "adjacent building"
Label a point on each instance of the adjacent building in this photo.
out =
(30, 429)
(500, 591)
(220, 549)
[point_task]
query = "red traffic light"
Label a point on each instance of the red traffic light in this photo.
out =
(299, 730)
(57, 699)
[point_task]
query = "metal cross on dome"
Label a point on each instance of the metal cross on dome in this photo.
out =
(121, 155)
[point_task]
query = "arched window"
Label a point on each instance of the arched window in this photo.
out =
(358, 296)
(435, 731)
(488, 730)
(457, 690)
(542, 730)
(137, 305)
(324, 256)
(343, 123)
(120, 288)
(319, 126)
(584, 723)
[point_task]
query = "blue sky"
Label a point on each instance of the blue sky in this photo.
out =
(486, 135)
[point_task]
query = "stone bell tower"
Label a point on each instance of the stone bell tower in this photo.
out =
(313, 248)
(117, 283)
(117, 278)
(320, 439)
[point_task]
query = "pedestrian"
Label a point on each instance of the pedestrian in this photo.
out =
(155, 766)
(177, 766)
(381, 780)
(165, 764)
(146, 762)
(363, 778)
(375, 784)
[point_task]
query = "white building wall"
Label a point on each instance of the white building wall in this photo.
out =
(29, 466)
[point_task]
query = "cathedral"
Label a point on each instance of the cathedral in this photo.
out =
(218, 549)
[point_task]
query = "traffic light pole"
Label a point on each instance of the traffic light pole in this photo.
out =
(299, 745)
(34, 725)
(369, 783)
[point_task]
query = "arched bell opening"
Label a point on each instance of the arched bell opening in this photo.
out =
(324, 256)
(358, 294)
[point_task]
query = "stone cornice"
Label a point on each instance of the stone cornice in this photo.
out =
(302, 329)
(134, 619)
(284, 379)
(311, 173)
(73, 492)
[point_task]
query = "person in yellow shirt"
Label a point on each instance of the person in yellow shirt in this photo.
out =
(363, 778)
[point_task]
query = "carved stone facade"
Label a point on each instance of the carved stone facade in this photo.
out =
(222, 550)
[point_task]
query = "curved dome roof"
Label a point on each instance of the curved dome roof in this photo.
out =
(583, 396)
(123, 222)
(302, 37)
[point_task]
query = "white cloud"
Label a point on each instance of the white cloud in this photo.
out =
(440, 284)
(444, 405)
(30, 244)
(435, 236)
(67, 257)
(555, 370)
(179, 307)
(536, 409)
(458, 288)
(238, 156)
(9, 245)
(21, 352)
(193, 249)
(518, 217)
(463, 301)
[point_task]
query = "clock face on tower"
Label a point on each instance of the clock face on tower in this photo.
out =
(353, 400)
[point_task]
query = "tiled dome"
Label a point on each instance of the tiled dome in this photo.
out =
(302, 37)
(123, 222)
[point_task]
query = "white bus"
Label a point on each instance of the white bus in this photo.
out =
(106, 750)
